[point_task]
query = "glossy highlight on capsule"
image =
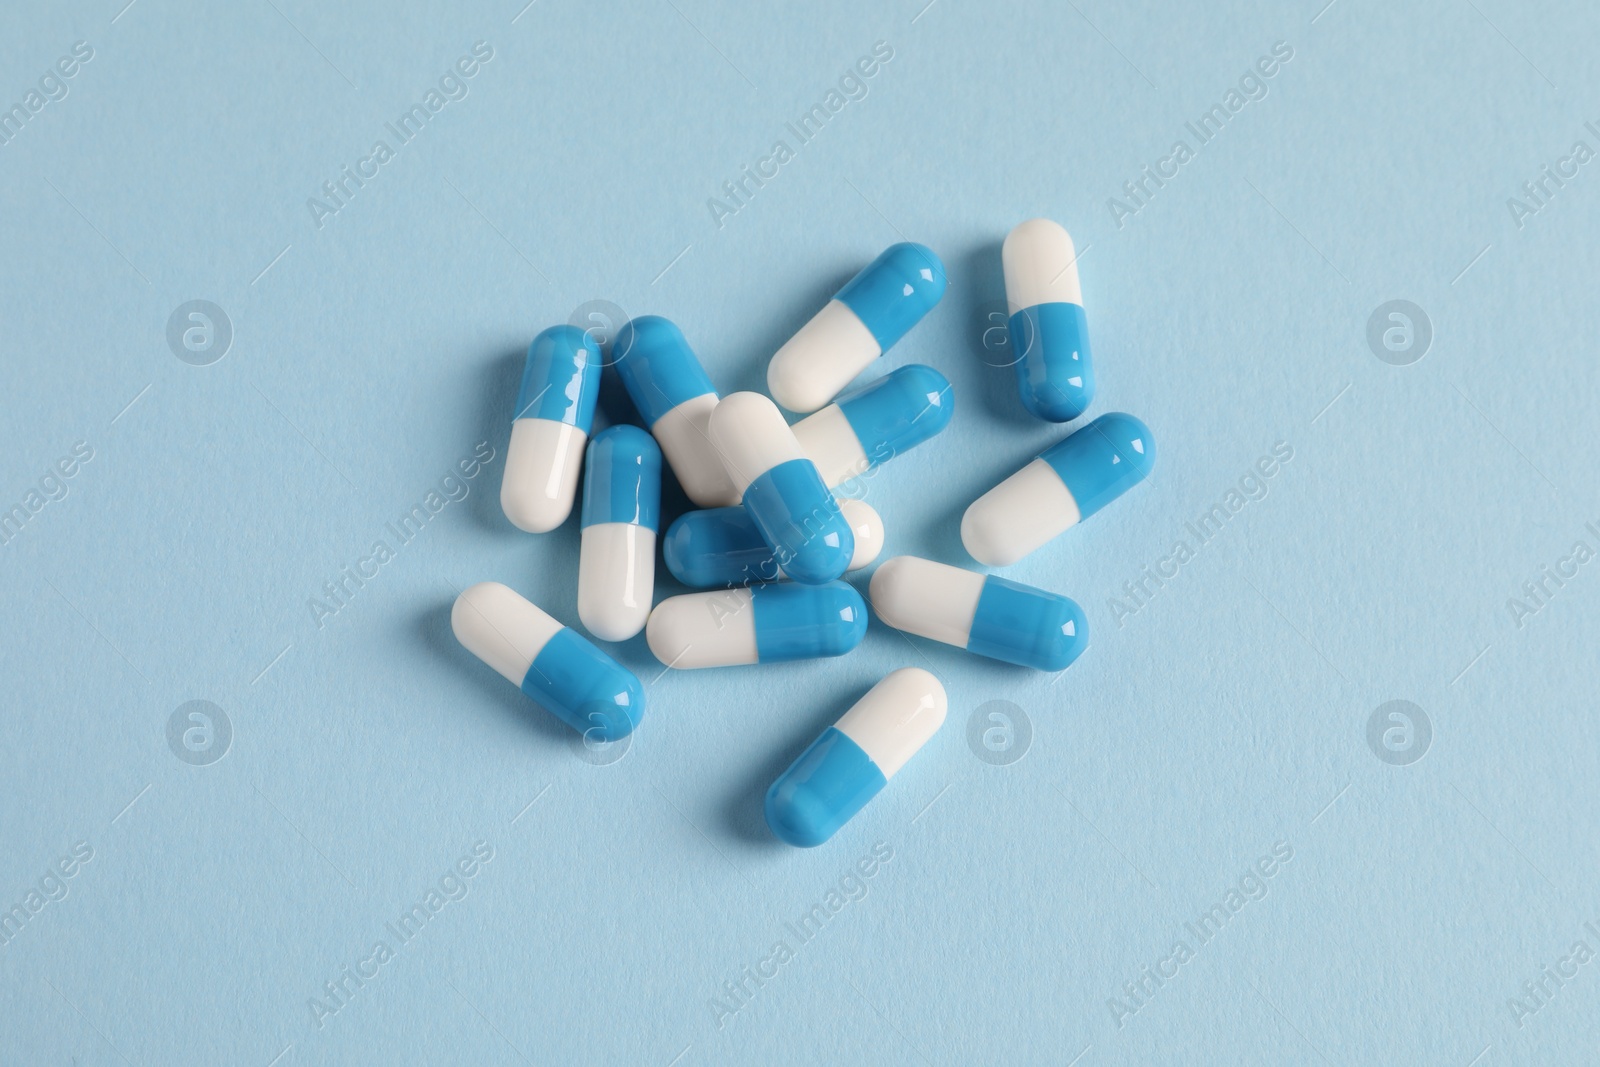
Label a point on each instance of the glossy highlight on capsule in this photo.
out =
(721, 547)
(855, 757)
(757, 624)
(856, 434)
(781, 489)
(551, 663)
(982, 613)
(621, 514)
(864, 319)
(1067, 483)
(1049, 333)
(555, 409)
(674, 396)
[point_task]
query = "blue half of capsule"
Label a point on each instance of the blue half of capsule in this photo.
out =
(1103, 460)
(657, 366)
(1017, 623)
(585, 688)
(718, 547)
(894, 291)
(1055, 375)
(801, 520)
(560, 378)
(622, 479)
(822, 790)
(794, 621)
(899, 411)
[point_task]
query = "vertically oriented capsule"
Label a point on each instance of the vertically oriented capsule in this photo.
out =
(553, 664)
(1049, 334)
(757, 624)
(555, 408)
(781, 489)
(1070, 481)
(855, 757)
(721, 547)
(876, 423)
(621, 513)
(982, 613)
(864, 319)
(675, 398)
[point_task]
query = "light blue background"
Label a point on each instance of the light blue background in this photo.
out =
(1226, 715)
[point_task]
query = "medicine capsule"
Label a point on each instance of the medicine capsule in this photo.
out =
(721, 547)
(898, 411)
(781, 489)
(552, 663)
(674, 397)
(982, 613)
(1070, 481)
(855, 757)
(757, 624)
(621, 513)
(1049, 334)
(864, 319)
(555, 409)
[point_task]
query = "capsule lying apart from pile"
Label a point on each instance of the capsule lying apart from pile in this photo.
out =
(855, 757)
(553, 664)
(1049, 334)
(1067, 483)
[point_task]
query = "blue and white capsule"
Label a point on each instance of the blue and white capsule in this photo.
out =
(675, 398)
(781, 489)
(897, 412)
(553, 664)
(864, 319)
(621, 514)
(855, 757)
(1049, 334)
(721, 547)
(757, 624)
(1070, 481)
(555, 409)
(983, 613)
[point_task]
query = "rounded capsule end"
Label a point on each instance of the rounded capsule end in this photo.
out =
(612, 720)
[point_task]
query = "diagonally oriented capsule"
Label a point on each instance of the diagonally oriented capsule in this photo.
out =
(864, 319)
(781, 489)
(555, 408)
(757, 624)
(982, 613)
(1049, 334)
(1070, 481)
(675, 398)
(621, 513)
(721, 547)
(897, 412)
(553, 664)
(855, 757)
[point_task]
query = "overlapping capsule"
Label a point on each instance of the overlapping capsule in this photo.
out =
(721, 547)
(864, 319)
(621, 514)
(757, 624)
(854, 435)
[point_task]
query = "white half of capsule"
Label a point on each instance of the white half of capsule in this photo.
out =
(540, 481)
(1018, 516)
(896, 718)
(716, 628)
(616, 579)
(816, 363)
(503, 629)
(1040, 266)
(685, 439)
(751, 436)
(932, 600)
(829, 441)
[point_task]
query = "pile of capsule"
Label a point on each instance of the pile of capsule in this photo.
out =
(772, 541)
